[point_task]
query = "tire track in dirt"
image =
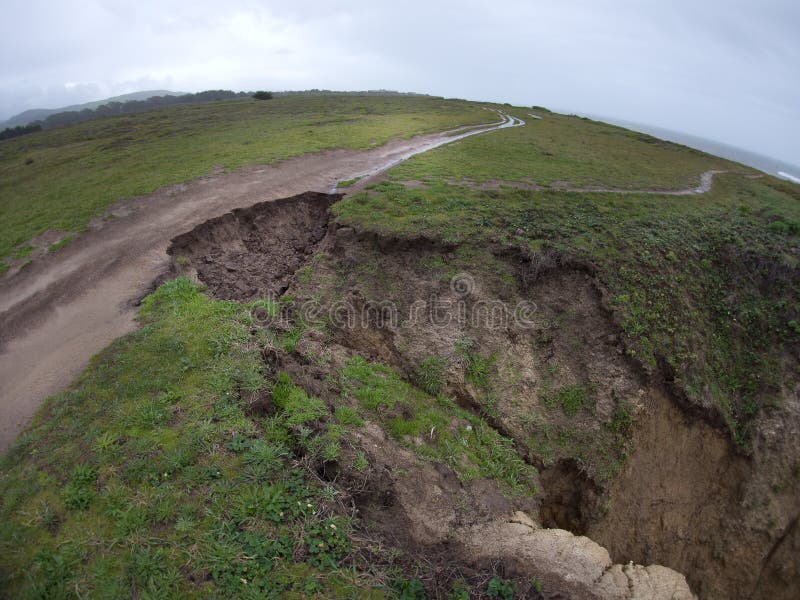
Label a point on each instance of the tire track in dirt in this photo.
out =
(706, 183)
(60, 311)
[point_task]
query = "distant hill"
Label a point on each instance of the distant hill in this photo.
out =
(38, 114)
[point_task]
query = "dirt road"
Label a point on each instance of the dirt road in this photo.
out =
(59, 312)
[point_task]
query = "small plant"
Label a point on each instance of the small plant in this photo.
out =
(304, 274)
(458, 594)
(477, 369)
(622, 419)
(536, 584)
(428, 375)
(77, 496)
(327, 543)
(348, 416)
(45, 516)
(571, 398)
(499, 588)
(261, 95)
(360, 463)
(410, 589)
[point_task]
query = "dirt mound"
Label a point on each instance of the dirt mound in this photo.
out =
(619, 460)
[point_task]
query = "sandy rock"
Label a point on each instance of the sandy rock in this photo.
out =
(569, 565)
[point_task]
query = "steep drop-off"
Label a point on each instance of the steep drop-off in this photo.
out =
(530, 345)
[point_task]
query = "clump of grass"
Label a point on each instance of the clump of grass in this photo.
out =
(429, 375)
(477, 370)
(571, 398)
(60, 244)
(23, 252)
(304, 274)
(348, 182)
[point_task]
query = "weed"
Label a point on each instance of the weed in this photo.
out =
(429, 375)
(571, 398)
(500, 588)
(410, 589)
(60, 244)
(23, 252)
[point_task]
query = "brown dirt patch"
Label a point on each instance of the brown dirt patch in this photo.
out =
(255, 251)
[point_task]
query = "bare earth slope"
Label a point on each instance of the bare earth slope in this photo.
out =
(59, 312)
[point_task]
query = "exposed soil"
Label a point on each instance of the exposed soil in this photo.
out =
(663, 487)
(68, 305)
(253, 252)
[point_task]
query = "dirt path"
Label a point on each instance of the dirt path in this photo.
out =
(59, 312)
(706, 182)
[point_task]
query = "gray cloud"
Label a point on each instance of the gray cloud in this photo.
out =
(722, 70)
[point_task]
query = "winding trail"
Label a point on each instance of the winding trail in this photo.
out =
(59, 312)
(706, 182)
(372, 174)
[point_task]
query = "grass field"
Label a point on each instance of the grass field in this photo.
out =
(59, 179)
(149, 477)
(562, 148)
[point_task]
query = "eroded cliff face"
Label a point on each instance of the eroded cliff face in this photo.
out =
(530, 346)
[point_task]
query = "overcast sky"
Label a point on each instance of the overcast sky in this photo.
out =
(725, 70)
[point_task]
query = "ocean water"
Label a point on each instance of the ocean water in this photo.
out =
(789, 176)
(767, 164)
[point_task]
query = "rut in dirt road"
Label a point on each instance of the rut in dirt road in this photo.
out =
(61, 310)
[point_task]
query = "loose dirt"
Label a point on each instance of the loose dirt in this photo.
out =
(62, 309)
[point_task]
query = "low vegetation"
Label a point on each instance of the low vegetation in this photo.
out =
(705, 288)
(150, 477)
(59, 179)
(219, 450)
(562, 149)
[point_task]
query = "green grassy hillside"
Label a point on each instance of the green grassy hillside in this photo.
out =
(59, 179)
(220, 452)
